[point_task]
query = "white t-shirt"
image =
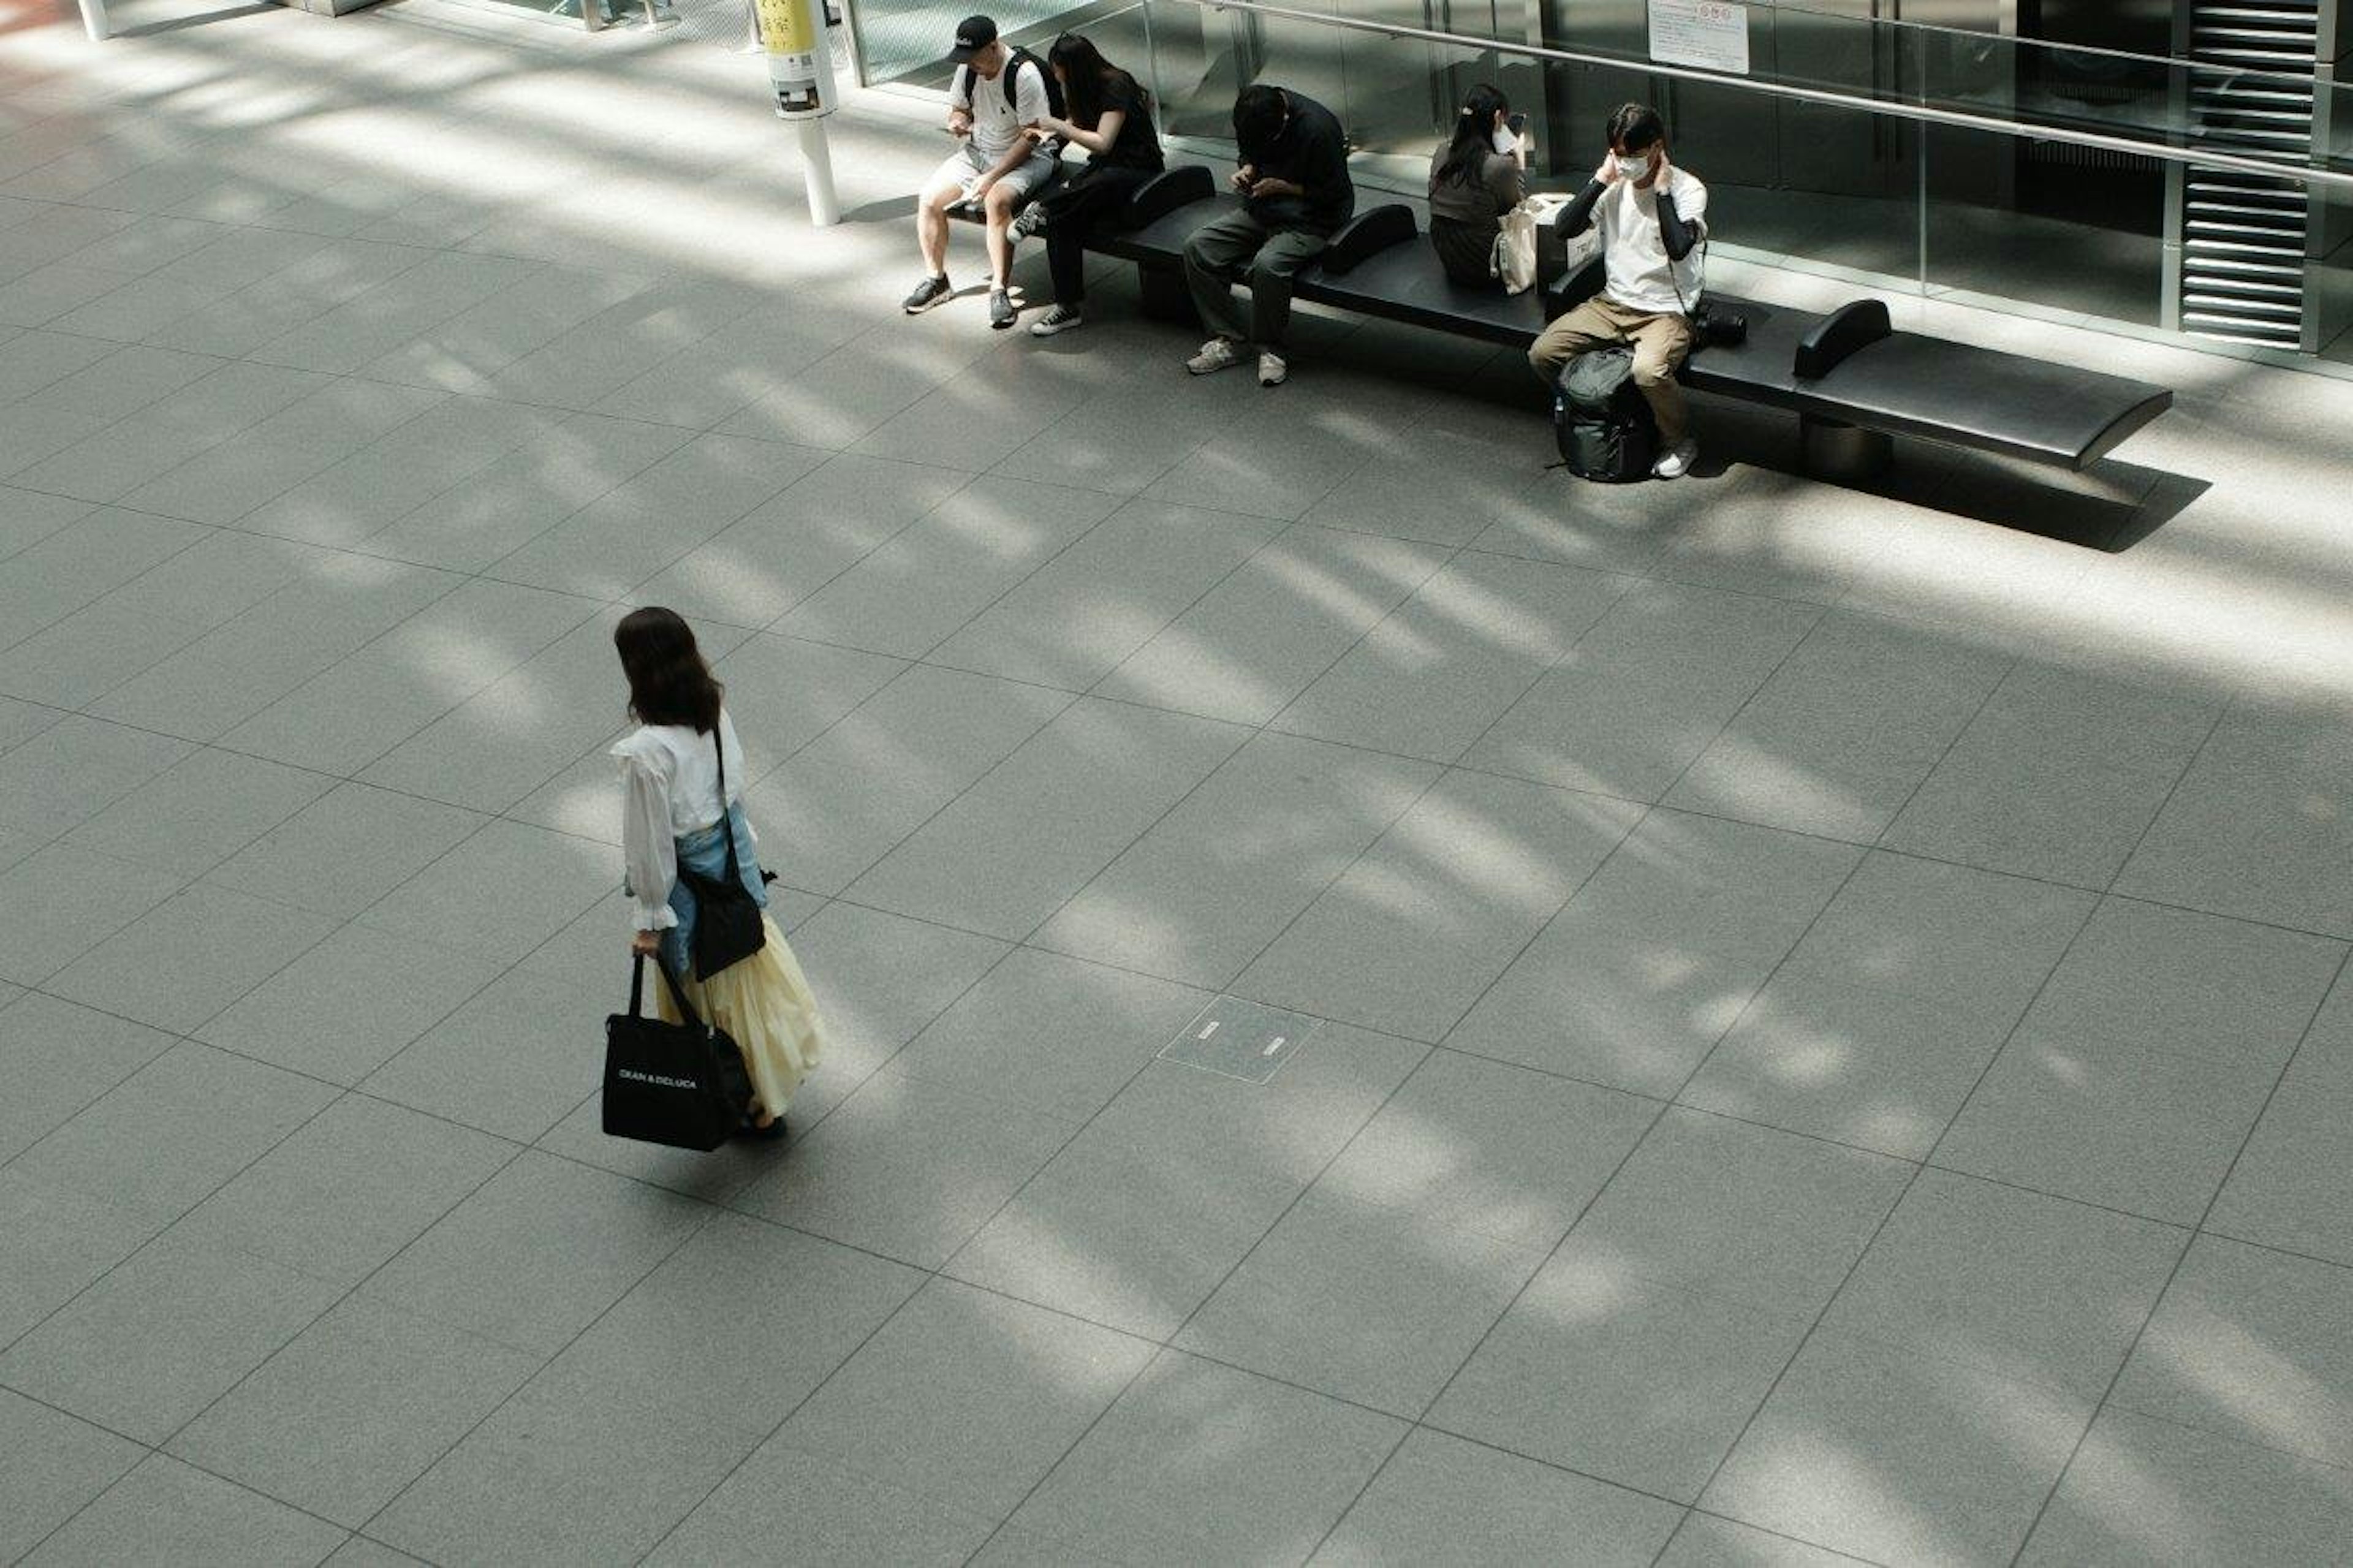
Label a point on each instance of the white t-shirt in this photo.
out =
(997, 120)
(1641, 278)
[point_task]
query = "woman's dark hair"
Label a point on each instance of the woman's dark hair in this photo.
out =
(1086, 76)
(1259, 113)
(1635, 127)
(1474, 136)
(669, 682)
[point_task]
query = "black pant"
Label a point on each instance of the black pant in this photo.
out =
(1096, 194)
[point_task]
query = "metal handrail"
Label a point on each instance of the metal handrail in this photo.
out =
(2165, 152)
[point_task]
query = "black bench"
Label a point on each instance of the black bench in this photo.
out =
(1853, 381)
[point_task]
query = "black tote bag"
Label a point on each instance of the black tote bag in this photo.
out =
(680, 1084)
(727, 925)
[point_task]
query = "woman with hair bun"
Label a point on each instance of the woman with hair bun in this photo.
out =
(673, 814)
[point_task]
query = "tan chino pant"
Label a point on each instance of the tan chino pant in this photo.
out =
(1661, 342)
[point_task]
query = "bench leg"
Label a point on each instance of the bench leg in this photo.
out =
(1847, 454)
(1164, 297)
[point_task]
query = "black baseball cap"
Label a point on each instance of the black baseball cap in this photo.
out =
(974, 34)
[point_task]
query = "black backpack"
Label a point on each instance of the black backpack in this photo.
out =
(967, 81)
(1601, 420)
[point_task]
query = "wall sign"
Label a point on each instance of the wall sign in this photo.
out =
(1703, 33)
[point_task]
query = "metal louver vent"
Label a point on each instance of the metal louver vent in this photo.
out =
(2244, 236)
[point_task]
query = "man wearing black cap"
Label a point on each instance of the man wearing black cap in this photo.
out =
(997, 168)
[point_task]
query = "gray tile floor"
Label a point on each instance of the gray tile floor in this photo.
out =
(1835, 1029)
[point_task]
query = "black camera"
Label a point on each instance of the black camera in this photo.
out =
(1713, 327)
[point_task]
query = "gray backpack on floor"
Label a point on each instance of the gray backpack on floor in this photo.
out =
(1601, 420)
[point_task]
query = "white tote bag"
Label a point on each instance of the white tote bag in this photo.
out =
(1515, 261)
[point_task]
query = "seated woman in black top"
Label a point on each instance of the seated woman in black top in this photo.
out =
(1110, 117)
(1473, 184)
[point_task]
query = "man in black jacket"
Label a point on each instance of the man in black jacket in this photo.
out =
(1296, 193)
(1653, 218)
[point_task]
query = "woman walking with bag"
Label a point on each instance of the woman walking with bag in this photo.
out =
(701, 900)
(1475, 181)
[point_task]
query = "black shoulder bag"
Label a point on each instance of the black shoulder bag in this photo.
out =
(728, 928)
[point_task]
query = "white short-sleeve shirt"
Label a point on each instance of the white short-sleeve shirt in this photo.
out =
(1641, 278)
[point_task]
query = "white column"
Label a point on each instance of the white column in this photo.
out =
(817, 173)
(94, 22)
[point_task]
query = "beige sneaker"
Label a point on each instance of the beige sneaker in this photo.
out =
(1272, 371)
(1217, 354)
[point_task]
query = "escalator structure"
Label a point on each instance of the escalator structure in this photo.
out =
(2244, 238)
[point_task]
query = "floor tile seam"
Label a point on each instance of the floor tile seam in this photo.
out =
(490, 570)
(158, 1453)
(361, 651)
(771, 627)
(1696, 1511)
(1143, 1367)
(1550, 1255)
(2018, 1022)
(2015, 662)
(1807, 1338)
(177, 648)
(438, 322)
(2190, 765)
(2157, 1302)
(347, 1294)
(2237, 1436)
(702, 1221)
(1649, 810)
(1371, 1480)
(1255, 733)
(1122, 504)
(2336, 1265)
(169, 1226)
(455, 582)
(100, 598)
(932, 1276)
(243, 430)
(1304, 1188)
(1886, 1216)
(220, 361)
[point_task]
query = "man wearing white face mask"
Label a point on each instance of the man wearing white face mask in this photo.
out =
(1652, 217)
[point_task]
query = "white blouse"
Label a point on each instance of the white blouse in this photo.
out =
(669, 781)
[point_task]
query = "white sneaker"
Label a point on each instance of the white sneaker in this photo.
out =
(1676, 461)
(1272, 371)
(1217, 354)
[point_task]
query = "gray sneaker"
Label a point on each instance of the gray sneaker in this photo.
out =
(1031, 220)
(1000, 309)
(928, 293)
(1061, 319)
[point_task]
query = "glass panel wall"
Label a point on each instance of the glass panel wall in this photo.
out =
(2000, 217)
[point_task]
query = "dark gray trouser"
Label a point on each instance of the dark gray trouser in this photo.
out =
(1240, 247)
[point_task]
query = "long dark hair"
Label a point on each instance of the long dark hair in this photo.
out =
(668, 682)
(1086, 74)
(1474, 136)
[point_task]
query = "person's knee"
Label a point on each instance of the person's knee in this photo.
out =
(1652, 372)
(1002, 199)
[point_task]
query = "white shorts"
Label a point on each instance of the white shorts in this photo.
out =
(970, 162)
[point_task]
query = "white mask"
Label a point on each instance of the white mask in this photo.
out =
(1503, 142)
(1633, 165)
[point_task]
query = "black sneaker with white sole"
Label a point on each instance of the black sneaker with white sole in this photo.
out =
(928, 293)
(1029, 221)
(1061, 319)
